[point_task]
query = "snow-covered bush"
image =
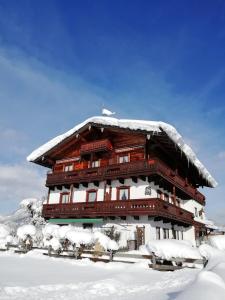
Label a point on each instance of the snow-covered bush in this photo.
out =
(172, 248)
(4, 231)
(105, 241)
(34, 207)
(79, 237)
(5, 235)
(26, 230)
(113, 233)
(55, 244)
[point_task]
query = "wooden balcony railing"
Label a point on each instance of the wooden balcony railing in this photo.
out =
(96, 146)
(125, 170)
(138, 207)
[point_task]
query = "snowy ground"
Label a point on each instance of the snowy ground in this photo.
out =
(34, 276)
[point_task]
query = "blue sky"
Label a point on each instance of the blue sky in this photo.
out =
(60, 61)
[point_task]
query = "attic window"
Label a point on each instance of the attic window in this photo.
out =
(123, 159)
(68, 168)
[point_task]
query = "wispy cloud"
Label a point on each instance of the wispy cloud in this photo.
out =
(19, 181)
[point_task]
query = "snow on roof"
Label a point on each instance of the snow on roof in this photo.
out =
(155, 126)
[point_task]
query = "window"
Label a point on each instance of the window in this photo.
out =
(91, 196)
(165, 233)
(160, 195)
(123, 159)
(95, 163)
(158, 233)
(182, 235)
(166, 197)
(65, 198)
(173, 233)
(123, 193)
(148, 190)
(68, 168)
(196, 212)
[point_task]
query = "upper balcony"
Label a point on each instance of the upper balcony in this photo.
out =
(152, 207)
(96, 146)
(126, 170)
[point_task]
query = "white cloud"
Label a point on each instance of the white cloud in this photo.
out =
(20, 181)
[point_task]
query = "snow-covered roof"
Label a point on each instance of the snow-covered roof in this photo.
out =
(149, 126)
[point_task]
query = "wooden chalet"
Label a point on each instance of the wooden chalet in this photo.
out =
(131, 174)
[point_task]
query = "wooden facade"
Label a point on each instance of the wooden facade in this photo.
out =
(98, 155)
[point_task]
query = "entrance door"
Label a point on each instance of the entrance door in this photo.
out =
(140, 236)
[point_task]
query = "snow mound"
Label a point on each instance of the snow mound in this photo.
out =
(217, 241)
(168, 249)
(150, 126)
(25, 230)
(210, 282)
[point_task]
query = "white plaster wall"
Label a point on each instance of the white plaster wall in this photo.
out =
(54, 196)
(137, 190)
(190, 206)
(189, 235)
(79, 194)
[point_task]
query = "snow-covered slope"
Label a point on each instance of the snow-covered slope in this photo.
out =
(133, 125)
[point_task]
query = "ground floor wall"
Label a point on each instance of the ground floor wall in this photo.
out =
(131, 230)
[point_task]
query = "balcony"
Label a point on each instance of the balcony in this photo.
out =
(96, 146)
(126, 170)
(138, 207)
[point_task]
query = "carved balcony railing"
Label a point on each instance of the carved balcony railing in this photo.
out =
(125, 170)
(138, 207)
(96, 146)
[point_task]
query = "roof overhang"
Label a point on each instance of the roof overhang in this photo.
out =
(41, 155)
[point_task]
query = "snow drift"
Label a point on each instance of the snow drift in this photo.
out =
(210, 282)
(168, 249)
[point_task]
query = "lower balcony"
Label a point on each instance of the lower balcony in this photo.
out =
(157, 208)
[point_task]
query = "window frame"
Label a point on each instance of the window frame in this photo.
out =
(68, 166)
(61, 197)
(124, 155)
(158, 233)
(93, 162)
(89, 192)
(118, 189)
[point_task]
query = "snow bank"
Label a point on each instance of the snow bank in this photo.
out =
(210, 282)
(217, 241)
(25, 230)
(168, 249)
(151, 126)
